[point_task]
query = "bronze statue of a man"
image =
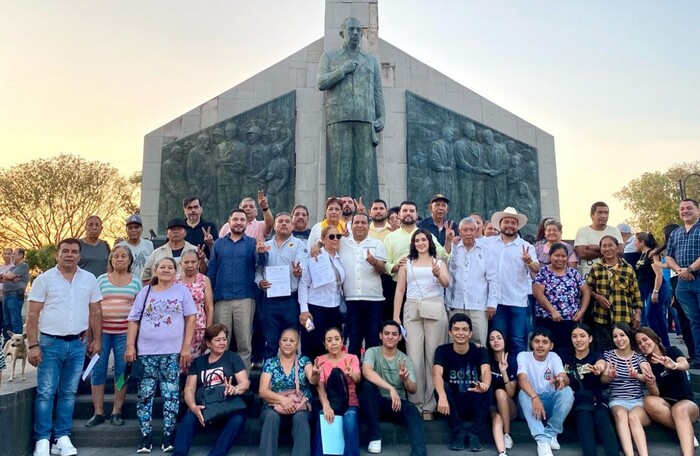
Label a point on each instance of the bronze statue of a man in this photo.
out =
(354, 115)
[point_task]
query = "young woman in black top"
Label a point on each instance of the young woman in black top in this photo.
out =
(584, 368)
(674, 406)
(504, 381)
(656, 292)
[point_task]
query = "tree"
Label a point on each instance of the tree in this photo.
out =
(46, 200)
(653, 197)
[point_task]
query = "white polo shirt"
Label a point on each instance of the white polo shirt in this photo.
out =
(362, 282)
(66, 309)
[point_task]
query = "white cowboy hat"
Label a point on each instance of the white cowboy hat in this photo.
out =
(508, 212)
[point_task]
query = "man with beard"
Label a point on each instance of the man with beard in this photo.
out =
(232, 274)
(516, 261)
(348, 209)
(380, 226)
(281, 312)
(199, 231)
(437, 223)
(300, 222)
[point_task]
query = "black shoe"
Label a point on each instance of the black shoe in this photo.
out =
(167, 444)
(457, 441)
(96, 420)
(146, 445)
(474, 444)
(116, 420)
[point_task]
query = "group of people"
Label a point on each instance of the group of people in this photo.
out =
(467, 320)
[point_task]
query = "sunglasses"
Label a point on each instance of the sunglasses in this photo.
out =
(334, 237)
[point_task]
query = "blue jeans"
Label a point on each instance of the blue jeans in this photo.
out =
(116, 342)
(511, 321)
(557, 405)
(189, 426)
(351, 433)
(59, 371)
(278, 314)
(688, 293)
(655, 314)
(12, 313)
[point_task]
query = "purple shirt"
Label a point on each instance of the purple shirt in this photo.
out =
(162, 327)
(561, 291)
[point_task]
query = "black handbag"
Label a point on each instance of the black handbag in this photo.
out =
(216, 403)
(135, 370)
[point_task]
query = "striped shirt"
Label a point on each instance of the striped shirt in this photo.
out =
(116, 303)
(624, 387)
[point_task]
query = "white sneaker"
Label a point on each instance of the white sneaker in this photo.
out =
(508, 441)
(42, 448)
(695, 442)
(543, 449)
(554, 443)
(63, 447)
(502, 453)
(374, 447)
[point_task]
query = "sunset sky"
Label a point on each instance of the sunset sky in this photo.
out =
(615, 83)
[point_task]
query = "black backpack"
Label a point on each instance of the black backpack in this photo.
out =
(337, 391)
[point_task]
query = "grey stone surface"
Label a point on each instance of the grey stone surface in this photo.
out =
(233, 159)
(478, 168)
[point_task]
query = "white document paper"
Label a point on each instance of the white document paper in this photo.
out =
(280, 281)
(90, 366)
(321, 271)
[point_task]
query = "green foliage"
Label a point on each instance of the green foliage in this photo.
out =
(653, 198)
(40, 260)
(46, 200)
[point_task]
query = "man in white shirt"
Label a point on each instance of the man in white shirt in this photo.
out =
(63, 302)
(363, 259)
(141, 249)
(516, 261)
(545, 397)
(475, 287)
(587, 242)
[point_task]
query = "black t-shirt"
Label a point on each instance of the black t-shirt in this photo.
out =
(195, 236)
(303, 235)
(214, 373)
(645, 273)
(497, 380)
(459, 371)
(587, 387)
(673, 385)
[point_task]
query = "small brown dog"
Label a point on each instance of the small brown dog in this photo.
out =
(16, 347)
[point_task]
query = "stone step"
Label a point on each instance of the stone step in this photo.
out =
(436, 432)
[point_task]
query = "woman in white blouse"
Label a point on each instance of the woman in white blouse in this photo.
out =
(422, 281)
(320, 294)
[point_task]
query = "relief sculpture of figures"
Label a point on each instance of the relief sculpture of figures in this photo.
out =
(174, 188)
(201, 175)
(441, 163)
(351, 80)
(469, 159)
(231, 164)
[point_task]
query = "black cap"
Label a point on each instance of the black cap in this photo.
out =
(439, 197)
(174, 223)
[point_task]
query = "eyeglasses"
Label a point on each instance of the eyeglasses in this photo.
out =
(334, 237)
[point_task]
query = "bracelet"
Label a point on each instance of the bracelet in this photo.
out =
(32, 346)
(265, 209)
(235, 389)
(655, 291)
(534, 397)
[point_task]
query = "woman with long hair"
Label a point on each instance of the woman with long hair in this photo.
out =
(504, 384)
(656, 293)
(584, 368)
(349, 365)
(626, 373)
(673, 405)
(119, 288)
(162, 319)
(200, 288)
(556, 288)
(422, 281)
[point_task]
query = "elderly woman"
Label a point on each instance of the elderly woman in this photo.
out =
(422, 281)
(552, 235)
(614, 293)
(281, 375)
(319, 303)
(202, 295)
(219, 367)
(119, 288)
(556, 288)
(163, 318)
(673, 403)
